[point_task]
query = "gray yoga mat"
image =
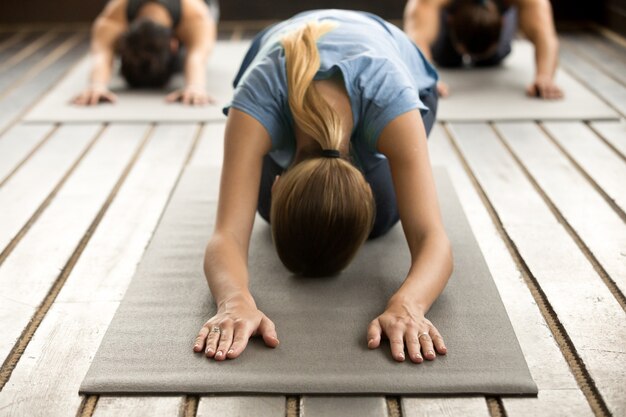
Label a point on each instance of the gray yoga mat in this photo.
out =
(146, 105)
(499, 93)
(321, 323)
(477, 94)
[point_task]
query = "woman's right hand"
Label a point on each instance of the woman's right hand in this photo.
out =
(94, 95)
(237, 321)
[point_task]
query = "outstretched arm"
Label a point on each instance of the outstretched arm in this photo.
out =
(421, 24)
(198, 32)
(225, 261)
(105, 32)
(403, 142)
(537, 24)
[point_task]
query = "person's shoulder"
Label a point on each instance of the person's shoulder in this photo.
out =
(194, 9)
(115, 10)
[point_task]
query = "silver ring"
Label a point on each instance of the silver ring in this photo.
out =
(423, 334)
(216, 329)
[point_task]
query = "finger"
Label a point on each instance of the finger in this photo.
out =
(211, 342)
(427, 345)
(268, 331)
(395, 333)
(374, 334)
(413, 346)
(226, 340)
(201, 339)
(94, 99)
(186, 98)
(211, 100)
(531, 90)
(111, 97)
(240, 341)
(440, 346)
(172, 97)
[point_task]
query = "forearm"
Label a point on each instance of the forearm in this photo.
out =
(102, 69)
(195, 69)
(546, 55)
(429, 273)
(537, 24)
(226, 271)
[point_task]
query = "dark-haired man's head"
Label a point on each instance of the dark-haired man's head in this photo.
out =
(475, 28)
(148, 54)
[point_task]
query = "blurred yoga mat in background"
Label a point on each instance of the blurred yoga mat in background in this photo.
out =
(478, 94)
(321, 322)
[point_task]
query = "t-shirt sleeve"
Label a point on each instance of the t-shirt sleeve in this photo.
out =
(386, 92)
(262, 94)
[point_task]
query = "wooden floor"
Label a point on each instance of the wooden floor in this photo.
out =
(78, 204)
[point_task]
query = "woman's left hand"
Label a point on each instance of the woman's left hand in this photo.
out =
(403, 324)
(191, 95)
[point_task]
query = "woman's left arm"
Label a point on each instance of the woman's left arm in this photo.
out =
(403, 142)
(198, 32)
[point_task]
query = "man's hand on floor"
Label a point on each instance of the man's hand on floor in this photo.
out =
(544, 87)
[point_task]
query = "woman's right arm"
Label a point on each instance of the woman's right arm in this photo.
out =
(225, 264)
(105, 32)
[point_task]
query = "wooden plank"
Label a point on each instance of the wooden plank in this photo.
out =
(140, 406)
(73, 328)
(235, 406)
(601, 229)
(30, 270)
(41, 78)
(11, 77)
(604, 86)
(595, 51)
(319, 406)
(21, 196)
(597, 160)
(15, 44)
(27, 56)
(593, 320)
(17, 144)
(614, 133)
(545, 361)
(444, 406)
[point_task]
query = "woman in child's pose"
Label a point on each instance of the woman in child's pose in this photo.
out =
(329, 119)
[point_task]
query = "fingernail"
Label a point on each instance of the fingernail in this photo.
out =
(209, 350)
(430, 352)
(219, 353)
(402, 356)
(418, 356)
(230, 351)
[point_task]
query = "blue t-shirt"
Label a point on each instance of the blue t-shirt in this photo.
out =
(382, 69)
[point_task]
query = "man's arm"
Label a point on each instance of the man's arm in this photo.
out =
(537, 23)
(421, 23)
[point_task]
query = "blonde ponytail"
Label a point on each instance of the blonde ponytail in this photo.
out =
(322, 209)
(310, 110)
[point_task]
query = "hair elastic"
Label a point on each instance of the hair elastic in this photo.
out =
(331, 153)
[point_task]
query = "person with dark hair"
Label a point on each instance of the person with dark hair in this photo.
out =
(453, 33)
(326, 138)
(154, 40)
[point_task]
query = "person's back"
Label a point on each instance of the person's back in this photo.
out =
(384, 73)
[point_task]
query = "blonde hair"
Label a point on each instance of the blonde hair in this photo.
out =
(322, 208)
